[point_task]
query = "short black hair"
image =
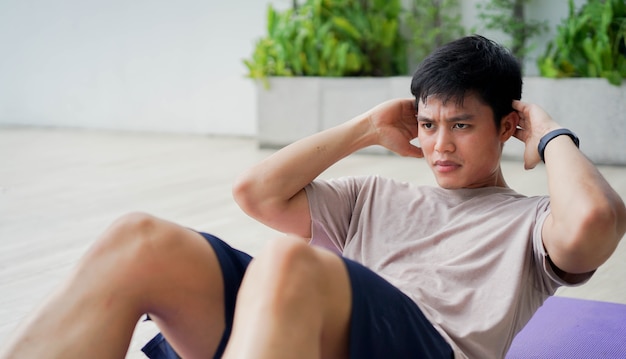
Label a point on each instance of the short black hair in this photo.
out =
(471, 64)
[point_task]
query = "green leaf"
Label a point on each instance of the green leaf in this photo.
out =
(344, 25)
(271, 19)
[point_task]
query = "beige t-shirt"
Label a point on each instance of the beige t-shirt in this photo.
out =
(472, 259)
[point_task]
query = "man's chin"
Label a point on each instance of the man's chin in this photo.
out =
(448, 184)
(449, 180)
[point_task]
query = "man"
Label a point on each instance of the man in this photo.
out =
(432, 272)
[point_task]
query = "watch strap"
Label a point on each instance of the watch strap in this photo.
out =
(551, 135)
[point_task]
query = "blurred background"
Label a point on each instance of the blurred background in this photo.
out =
(165, 66)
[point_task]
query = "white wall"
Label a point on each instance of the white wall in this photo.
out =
(146, 64)
(165, 65)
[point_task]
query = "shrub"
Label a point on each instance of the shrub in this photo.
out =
(331, 38)
(591, 42)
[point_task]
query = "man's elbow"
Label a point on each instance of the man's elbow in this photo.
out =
(243, 194)
(596, 237)
(609, 222)
(620, 218)
(252, 198)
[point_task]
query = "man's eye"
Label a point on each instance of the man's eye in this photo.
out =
(461, 126)
(427, 125)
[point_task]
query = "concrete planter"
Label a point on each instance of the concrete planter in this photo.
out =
(297, 107)
(293, 108)
(591, 107)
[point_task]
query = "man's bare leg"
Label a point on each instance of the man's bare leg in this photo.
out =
(295, 302)
(140, 265)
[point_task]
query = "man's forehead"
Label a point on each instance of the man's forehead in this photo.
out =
(469, 106)
(456, 102)
(437, 103)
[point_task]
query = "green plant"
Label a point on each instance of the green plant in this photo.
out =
(509, 17)
(331, 38)
(589, 43)
(431, 23)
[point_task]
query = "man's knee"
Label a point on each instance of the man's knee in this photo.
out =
(288, 258)
(132, 238)
(132, 225)
(289, 273)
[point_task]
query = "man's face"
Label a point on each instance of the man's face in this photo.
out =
(461, 143)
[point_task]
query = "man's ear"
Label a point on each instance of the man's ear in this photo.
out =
(508, 126)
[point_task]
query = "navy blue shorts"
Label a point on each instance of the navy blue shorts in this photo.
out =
(385, 322)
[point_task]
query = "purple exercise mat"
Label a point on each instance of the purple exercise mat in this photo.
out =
(573, 328)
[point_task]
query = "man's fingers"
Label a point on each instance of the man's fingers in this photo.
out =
(522, 111)
(529, 166)
(521, 134)
(519, 105)
(410, 151)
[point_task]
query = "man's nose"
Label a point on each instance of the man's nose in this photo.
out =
(444, 142)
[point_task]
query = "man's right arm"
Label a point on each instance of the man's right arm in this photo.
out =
(273, 190)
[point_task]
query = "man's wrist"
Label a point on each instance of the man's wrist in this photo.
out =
(552, 135)
(361, 132)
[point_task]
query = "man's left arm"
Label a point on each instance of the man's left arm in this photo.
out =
(588, 218)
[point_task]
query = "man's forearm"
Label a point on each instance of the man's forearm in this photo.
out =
(266, 191)
(290, 169)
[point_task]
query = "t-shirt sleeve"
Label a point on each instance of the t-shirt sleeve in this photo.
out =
(551, 280)
(331, 203)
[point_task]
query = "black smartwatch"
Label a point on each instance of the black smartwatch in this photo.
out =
(551, 135)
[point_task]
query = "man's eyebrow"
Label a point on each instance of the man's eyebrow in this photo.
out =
(458, 118)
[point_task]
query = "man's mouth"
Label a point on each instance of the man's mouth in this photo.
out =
(446, 166)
